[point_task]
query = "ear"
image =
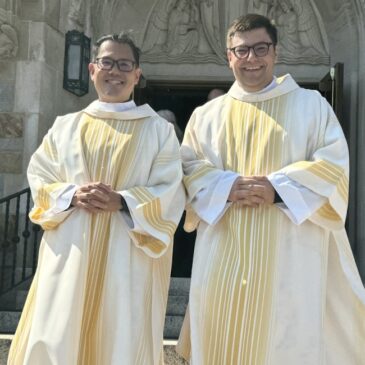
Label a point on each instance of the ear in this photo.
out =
(229, 57)
(275, 54)
(91, 68)
(138, 75)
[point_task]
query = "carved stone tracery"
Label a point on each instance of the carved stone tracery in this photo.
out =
(8, 35)
(179, 31)
(193, 31)
(183, 31)
(302, 37)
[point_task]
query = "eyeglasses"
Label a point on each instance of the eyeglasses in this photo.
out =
(259, 49)
(107, 64)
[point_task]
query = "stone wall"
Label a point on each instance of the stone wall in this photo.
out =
(31, 93)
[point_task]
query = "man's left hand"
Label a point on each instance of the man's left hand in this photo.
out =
(267, 193)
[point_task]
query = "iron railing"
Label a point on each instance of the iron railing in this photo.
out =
(19, 241)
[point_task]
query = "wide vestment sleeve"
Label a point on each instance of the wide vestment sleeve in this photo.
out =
(48, 182)
(156, 207)
(207, 182)
(325, 174)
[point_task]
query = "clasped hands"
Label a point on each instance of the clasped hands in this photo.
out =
(252, 191)
(97, 197)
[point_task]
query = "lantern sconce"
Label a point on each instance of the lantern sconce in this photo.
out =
(76, 62)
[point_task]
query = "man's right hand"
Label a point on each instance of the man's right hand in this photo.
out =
(95, 198)
(248, 191)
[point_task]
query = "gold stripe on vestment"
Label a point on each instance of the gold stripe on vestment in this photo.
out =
(109, 147)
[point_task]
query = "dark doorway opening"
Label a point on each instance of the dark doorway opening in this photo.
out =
(179, 97)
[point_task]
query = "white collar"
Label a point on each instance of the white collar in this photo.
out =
(279, 86)
(269, 87)
(113, 107)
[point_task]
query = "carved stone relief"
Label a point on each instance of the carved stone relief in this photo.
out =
(302, 37)
(186, 31)
(193, 31)
(8, 36)
(96, 17)
(183, 31)
(76, 16)
(11, 125)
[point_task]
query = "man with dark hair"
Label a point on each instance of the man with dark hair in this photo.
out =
(274, 281)
(106, 184)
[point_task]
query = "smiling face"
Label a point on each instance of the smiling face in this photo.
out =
(252, 73)
(114, 86)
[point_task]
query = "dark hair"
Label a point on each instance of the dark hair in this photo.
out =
(249, 22)
(122, 38)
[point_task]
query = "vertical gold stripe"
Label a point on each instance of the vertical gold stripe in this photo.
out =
(109, 149)
(144, 347)
(241, 266)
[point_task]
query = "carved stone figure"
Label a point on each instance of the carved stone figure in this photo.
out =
(93, 17)
(263, 7)
(76, 15)
(8, 36)
(183, 31)
(302, 37)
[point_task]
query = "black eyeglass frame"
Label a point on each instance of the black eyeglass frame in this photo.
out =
(268, 44)
(115, 62)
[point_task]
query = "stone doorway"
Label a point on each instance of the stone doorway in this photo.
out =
(178, 96)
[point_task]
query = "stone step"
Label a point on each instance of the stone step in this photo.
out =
(179, 286)
(170, 355)
(16, 276)
(13, 300)
(176, 305)
(21, 296)
(9, 321)
(172, 326)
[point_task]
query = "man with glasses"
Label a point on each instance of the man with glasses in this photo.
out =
(274, 281)
(106, 184)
